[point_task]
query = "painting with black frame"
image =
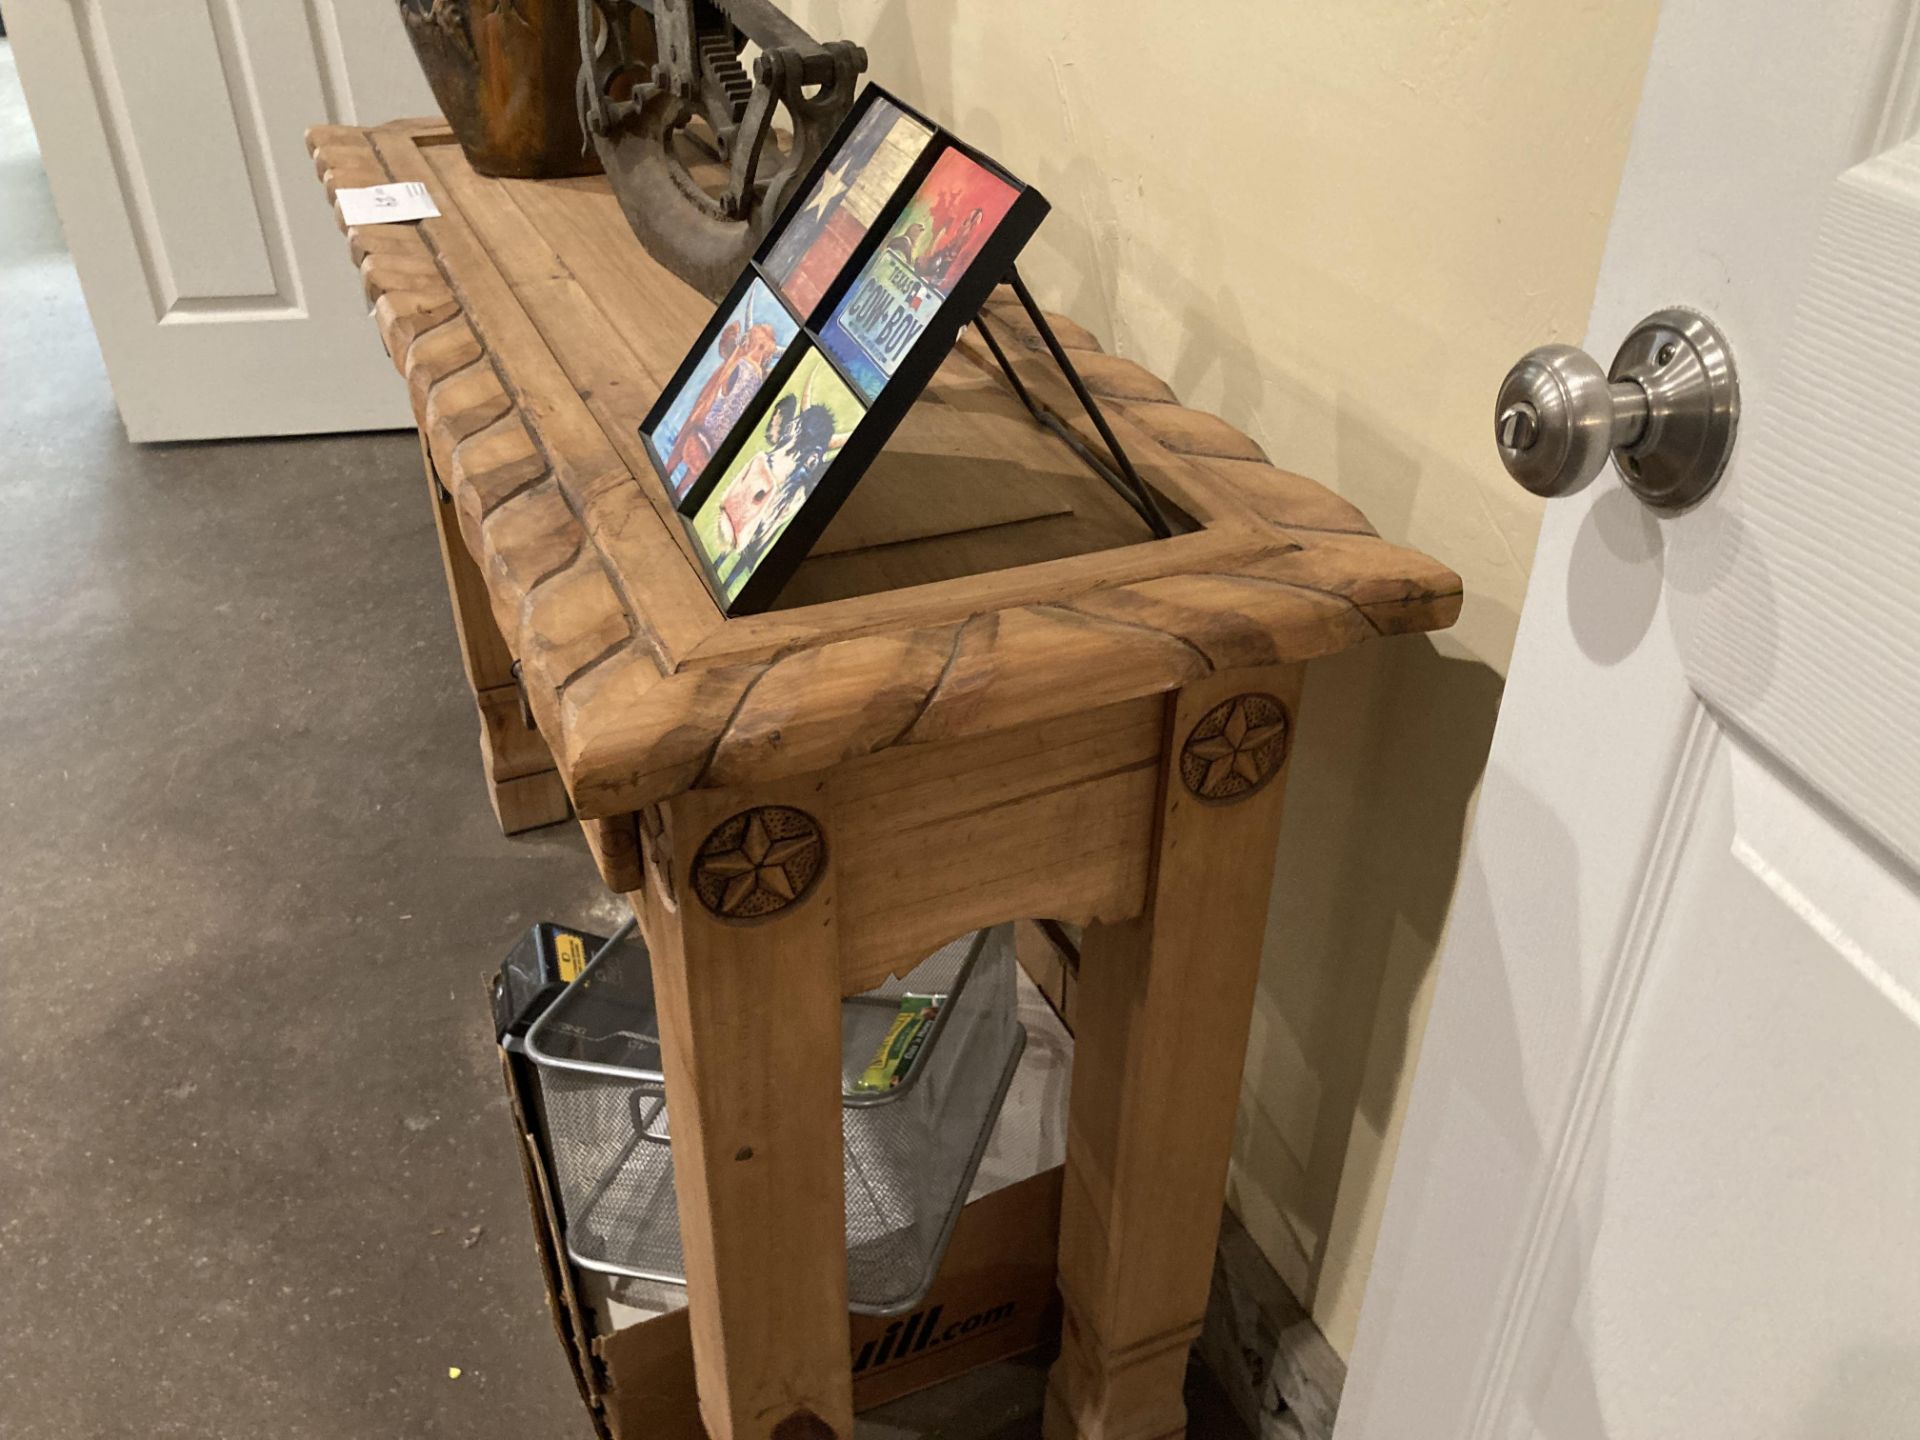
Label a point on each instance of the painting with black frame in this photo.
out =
(892, 245)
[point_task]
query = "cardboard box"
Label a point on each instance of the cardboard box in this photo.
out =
(994, 1296)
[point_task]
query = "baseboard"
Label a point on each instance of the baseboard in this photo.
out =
(1277, 1369)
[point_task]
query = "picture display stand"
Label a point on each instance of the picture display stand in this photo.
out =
(1126, 480)
(898, 236)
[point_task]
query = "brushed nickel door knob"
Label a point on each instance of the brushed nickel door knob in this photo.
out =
(1666, 411)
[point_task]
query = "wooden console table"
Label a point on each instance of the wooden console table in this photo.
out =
(988, 695)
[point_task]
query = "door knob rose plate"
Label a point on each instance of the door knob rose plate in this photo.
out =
(1682, 362)
(1666, 410)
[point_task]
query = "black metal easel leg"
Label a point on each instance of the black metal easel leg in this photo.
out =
(1125, 480)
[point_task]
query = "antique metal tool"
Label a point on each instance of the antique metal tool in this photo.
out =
(688, 139)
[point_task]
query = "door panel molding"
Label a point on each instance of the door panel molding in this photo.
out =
(1849, 891)
(330, 61)
(129, 172)
(1491, 1413)
(222, 255)
(1899, 115)
(1795, 615)
(269, 204)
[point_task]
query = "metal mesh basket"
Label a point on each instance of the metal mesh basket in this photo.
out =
(910, 1152)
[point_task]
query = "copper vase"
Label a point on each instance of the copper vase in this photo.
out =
(504, 73)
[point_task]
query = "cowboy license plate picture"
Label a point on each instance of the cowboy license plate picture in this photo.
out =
(803, 427)
(827, 338)
(927, 252)
(722, 386)
(841, 206)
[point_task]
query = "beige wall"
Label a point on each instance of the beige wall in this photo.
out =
(1336, 223)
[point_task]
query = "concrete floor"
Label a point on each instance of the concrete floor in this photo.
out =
(252, 885)
(256, 1177)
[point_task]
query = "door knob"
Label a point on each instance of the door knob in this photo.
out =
(1666, 411)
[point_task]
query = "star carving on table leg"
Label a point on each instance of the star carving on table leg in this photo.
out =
(759, 862)
(1236, 747)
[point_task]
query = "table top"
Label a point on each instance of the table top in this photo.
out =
(978, 579)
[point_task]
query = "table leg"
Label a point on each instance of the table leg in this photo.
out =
(1164, 1004)
(746, 972)
(523, 784)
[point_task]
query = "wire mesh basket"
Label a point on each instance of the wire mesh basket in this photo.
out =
(911, 1146)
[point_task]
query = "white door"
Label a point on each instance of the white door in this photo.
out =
(171, 131)
(1660, 1178)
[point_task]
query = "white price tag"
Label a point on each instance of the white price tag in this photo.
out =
(386, 204)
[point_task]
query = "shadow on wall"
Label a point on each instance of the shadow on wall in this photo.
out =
(1393, 740)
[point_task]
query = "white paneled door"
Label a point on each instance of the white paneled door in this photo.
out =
(1661, 1172)
(171, 131)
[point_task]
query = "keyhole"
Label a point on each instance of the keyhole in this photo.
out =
(1519, 426)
